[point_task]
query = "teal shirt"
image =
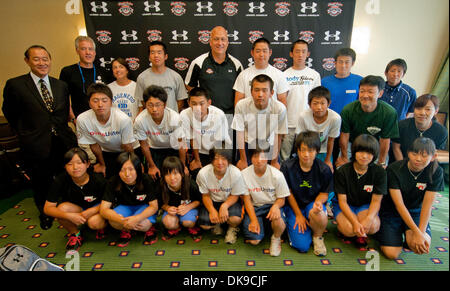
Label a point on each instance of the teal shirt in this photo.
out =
(381, 123)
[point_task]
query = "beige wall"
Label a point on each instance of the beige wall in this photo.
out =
(416, 30)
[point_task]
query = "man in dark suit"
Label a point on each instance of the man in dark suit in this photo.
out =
(37, 108)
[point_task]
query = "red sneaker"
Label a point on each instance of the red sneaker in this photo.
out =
(124, 239)
(150, 236)
(100, 234)
(196, 233)
(74, 242)
(361, 242)
(168, 234)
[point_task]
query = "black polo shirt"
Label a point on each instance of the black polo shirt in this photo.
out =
(217, 79)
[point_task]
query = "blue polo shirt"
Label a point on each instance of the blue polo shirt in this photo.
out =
(401, 97)
(343, 90)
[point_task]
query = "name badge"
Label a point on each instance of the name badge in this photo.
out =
(368, 188)
(350, 91)
(421, 186)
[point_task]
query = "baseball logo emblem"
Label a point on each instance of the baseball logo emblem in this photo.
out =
(126, 8)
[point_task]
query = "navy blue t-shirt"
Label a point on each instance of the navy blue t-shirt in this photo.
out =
(306, 186)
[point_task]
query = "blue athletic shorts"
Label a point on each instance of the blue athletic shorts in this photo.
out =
(393, 227)
(261, 213)
(130, 210)
(300, 241)
(355, 209)
(190, 216)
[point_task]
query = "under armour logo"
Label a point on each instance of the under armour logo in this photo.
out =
(304, 6)
(176, 35)
(152, 6)
(308, 62)
(208, 6)
(259, 7)
(234, 35)
(102, 6)
(104, 62)
(278, 35)
(251, 62)
(17, 258)
(126, 35)
(328, 35)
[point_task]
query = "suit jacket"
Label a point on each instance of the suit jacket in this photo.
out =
(28, 116)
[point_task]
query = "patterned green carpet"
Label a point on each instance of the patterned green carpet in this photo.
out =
(20, 225)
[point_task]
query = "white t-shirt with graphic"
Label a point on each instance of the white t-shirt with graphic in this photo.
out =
(159, 136)
(267, 188)
(208, 133)
(301, 82)
(231, 183)
(124, 99)
(117, 131)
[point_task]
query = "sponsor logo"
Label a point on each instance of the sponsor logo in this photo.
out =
(126, 8)
(152, 9)
(103, 36)
(178, 8)
(308, 62)
(141, 197)
(89, 198)
(133, 63)
(307, 36)
(368, 188)
(234, 37)
(254, 35)
(106, 64)
(129, 37)
(334, 8)
(180, 38)
(308, 9)
(204, 36)
(282, 8)
(281, 38)
(99, 9)
(230, 8)
(328, 64)
(205, 7)
(256, 9)
(280, 63)
(332, 38)
(421, 186)
(373, 130)
(209, 71)
(305, 184)
(154, 35)
(181, 63)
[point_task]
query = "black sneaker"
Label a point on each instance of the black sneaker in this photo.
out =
(151, 236)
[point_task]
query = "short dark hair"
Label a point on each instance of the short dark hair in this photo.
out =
(422, 101)
(372, 80)
(397, 62)
(345, 52)
(226, 153)
(199, 91)
(261, 39)
(157, 42)
(309, 138)
(300, 41)
(68, 156)
(36, 46)
(155, 92)
(99, 88)
(319, 92)
(365, 143)
(262, 78)
(258, 149)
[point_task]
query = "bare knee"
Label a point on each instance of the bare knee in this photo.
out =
(391, 253)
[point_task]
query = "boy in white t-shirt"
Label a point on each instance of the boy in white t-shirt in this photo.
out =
(159, 130)
(261, 53)
(259, 120)
(302, 80)
(205, 125)
(107, 130)
(323, 120)
(221, 185)
(267, 189)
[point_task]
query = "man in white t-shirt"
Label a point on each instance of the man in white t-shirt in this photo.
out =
(259, 120)
(323, 120)
(301, 80)
(159, 130)
(267, 190)
(107, 130)
(221, 185)
(205, 126)
(261, 53)
(159, 74)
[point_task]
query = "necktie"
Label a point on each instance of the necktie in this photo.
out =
(46, 96)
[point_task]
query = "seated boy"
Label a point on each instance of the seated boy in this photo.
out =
(263, 201)
(221, 184)
(309, 180)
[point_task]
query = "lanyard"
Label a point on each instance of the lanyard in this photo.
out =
(82, 77)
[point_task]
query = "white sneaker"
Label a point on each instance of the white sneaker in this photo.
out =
(275, 246)
(319, 246)
(231, 236)
(217, 229)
